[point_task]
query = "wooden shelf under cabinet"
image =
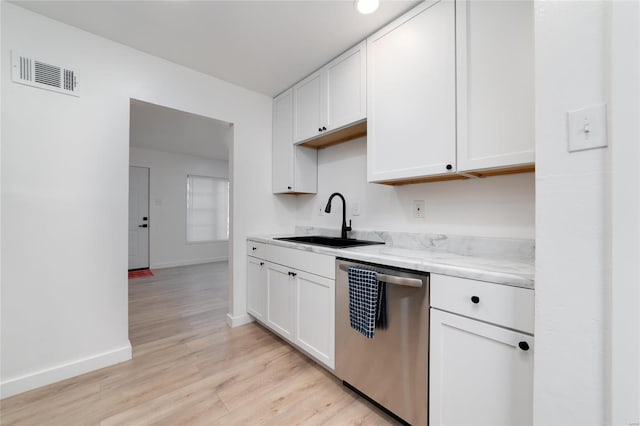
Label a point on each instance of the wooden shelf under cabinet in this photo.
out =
(525, 168)
(344, 134)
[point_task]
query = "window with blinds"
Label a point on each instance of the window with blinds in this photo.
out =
(207, 209)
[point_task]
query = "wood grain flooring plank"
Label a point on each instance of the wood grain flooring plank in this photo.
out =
(189, 368)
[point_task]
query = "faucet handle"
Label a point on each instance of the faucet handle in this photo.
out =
(348, 228)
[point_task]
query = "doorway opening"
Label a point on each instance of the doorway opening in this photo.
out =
(179, 216)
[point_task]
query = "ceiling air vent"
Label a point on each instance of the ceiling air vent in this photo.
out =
(37, 73)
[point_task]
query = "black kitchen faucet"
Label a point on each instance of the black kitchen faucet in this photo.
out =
(345, 228)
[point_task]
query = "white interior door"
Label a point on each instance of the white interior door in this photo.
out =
(138, 217)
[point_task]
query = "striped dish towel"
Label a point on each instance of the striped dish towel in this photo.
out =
(363, 300)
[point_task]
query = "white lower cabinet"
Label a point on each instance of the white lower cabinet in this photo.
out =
(480, 365)
(257, 288)
(296, 304)
(479, 373)
(281, 291)
(315, 307)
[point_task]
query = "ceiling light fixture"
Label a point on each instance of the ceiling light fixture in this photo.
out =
(366, 6)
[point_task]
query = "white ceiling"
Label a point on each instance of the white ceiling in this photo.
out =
(265, 46)
(165, 129)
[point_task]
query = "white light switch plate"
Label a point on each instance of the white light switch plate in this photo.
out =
(587, 128)
(418, 209)
(355, 209)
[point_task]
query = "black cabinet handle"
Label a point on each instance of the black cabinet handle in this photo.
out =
(261, 263)
(143, 226)
(145, 218)
(524, 346)
(288, 187)
(292, 274)
(254, 248)
(319, 129)
(449, 167)
(324, 128)
(475, 299)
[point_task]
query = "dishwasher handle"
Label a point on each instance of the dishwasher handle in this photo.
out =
(393, 279)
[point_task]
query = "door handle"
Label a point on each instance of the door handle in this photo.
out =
(393, 279)
(143, 226)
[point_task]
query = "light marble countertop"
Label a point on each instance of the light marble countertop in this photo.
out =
(517, 272)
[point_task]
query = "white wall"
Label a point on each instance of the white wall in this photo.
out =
(500, 206)
(167, 209)
(64, 194)
(569, 369)
(624, 218)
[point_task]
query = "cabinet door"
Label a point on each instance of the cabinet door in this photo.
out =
(346, 79)
(256, 288)
(411, 123)
(315, 309)
(308, 107)
(283, 150)
(281, 288)
(478, 374)
(491, 65)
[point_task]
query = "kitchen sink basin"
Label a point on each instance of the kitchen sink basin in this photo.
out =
(336, 242)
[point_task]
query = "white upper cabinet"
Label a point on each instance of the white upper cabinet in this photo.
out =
(295, 168)
(309, 108)
(495, 83)
(332, 97)
(411, 123)
(346, 78)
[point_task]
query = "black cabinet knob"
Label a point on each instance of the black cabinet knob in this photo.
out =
(143, 226)
(524, 346)
(319, 129)
(324, 128)
(254, 248)
(288, 187)
(449, 167)
(261, 263)
(292, 274)
(475, 299)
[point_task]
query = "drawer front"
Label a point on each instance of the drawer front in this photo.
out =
(256, 249)
(503, 305)
(314, 263)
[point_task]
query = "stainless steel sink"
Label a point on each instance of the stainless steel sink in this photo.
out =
(335, 242)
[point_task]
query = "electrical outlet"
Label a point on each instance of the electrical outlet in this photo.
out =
(418, 209)
(355, 209)
(321, 210)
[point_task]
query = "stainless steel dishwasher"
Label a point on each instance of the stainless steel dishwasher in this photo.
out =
(391, 368)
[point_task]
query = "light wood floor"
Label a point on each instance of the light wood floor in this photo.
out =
(188, 367)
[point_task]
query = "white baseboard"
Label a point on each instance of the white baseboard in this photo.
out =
(162, 265)
(238, 320)
(65, 371)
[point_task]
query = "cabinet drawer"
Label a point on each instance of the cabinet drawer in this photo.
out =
(314, 263)
(507, 306)
(256, 249)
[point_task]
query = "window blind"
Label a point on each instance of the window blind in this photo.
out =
(207, 209)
